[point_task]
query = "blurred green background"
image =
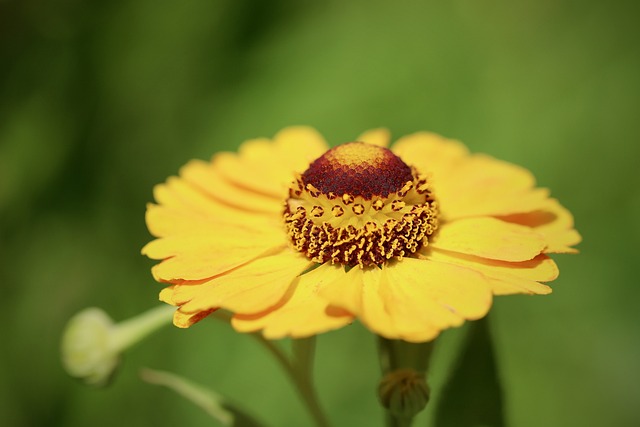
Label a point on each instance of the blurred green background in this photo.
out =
(101, 100)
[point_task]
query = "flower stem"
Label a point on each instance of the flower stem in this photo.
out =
(298, 368)
(392, 421)
(396, 354)
(303, 359)
(300, 372)
(131, 331)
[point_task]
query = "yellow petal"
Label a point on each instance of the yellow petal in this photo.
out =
(345, 291)
(488, 173)
(358, 292)
(206, 178)
(185, 320)
(481, 185)
(166, 295)
(374, 312)
(251, 288)
(179, 194)
(492, 203)
(213, 242)
(555, 223)
(165, 221)
(268, 167)
(299, 146)
(466, 185)
(489, 238)
(256, 166)
(302, 312)
(429, 152)
(380, 137)
(220, 257)
(425, 297)
(506, 277)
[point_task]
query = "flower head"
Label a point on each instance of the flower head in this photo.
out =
(296, 239)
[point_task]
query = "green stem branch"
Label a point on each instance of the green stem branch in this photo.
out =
(298, 368)
(300, 372)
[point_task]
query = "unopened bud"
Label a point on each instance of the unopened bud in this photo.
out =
(404, 392)
(86, 347)
(92, 343)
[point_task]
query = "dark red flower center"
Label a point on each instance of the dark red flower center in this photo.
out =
(358, 169)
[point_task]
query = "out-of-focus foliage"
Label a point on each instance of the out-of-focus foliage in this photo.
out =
(101, 100)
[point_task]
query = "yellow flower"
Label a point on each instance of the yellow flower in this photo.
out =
(296, 239)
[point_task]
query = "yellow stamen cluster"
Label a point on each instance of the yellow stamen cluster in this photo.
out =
(363, 229)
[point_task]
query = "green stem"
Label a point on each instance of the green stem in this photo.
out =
(392, 421)
(303, 361)
(300, 372)
(131, 331)
(395, 354)
(210, 401)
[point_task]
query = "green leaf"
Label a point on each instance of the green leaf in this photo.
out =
(473, 395)
(226, 413)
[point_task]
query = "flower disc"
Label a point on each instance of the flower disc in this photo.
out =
(358, 169)
(359, 204)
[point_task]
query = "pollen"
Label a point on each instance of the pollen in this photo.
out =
(360, 205)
